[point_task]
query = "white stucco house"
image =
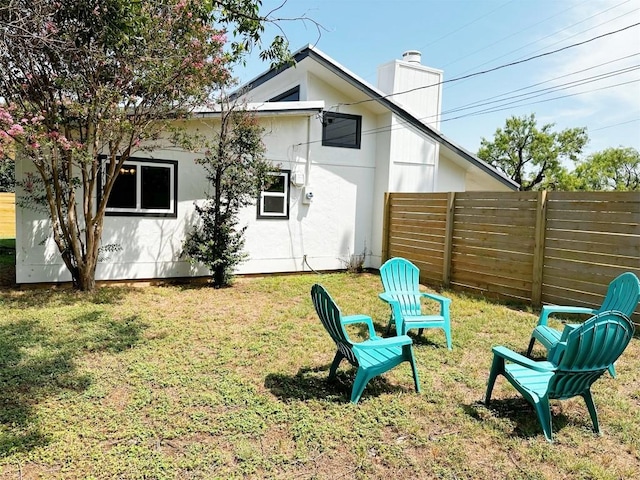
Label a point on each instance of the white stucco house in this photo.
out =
(340, 143)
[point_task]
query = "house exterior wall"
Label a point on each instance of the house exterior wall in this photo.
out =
(335, 225)
(451, 177)
(344, 218)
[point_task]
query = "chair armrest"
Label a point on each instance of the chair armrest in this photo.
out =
(398, 341)
(551, 309)
(387, 297)
(395, 308)
(514, 357)
(350, 319)
(444, 301)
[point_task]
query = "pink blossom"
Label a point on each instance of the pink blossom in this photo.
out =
(15, 130)
(5, 116)
(219, 37)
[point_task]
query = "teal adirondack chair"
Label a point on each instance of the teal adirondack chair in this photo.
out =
(582, 354)
(371, 357)
(623, 295)
(401, 282)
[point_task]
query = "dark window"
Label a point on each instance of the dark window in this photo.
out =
(292, 95)
(156, 187)
(145, 188)
(341, 130)
(123, 194)
(274, 199)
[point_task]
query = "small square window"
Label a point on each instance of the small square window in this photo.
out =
(341, 130)
(145, 188)
(274, 200)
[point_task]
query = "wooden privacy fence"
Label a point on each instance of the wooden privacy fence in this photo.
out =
(7, 215)
(530, 247)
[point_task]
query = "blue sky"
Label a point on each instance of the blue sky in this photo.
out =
(600, 80)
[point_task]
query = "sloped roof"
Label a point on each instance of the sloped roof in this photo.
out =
(384, 100)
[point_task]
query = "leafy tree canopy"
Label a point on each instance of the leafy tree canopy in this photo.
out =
(532, 155)
(610, 169)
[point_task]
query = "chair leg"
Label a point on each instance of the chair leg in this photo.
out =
(414, 369)
(389, 325)
(420, 330)
(362, 378)
(447, 334)
(588, 399)
(334, 365)
(531, 342)
(612, 370)
(497, 368)
(543, 410)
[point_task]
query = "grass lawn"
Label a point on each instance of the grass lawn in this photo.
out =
(192, 382)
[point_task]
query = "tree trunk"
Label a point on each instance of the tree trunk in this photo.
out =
(83, 272)
(85, 281)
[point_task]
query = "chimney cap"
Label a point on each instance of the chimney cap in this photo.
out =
(412, 56)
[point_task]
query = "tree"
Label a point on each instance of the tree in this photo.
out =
(237, 171)
(610, 169)
(83, 79)
(530, 155)
(7, 175)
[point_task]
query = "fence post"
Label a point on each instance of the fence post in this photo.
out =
(386, 227)
(538, 251)
(448, 239)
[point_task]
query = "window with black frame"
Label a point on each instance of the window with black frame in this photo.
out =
(292, 95)
(145, 188)
(341, 130)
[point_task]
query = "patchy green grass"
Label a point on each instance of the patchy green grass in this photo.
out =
(193, 382)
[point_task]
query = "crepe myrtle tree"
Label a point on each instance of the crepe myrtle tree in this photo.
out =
(237, 171)
(85, 83)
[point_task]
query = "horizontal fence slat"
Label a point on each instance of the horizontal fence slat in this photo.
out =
(587, 226)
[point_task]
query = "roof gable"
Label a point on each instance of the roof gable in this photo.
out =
(373, 94)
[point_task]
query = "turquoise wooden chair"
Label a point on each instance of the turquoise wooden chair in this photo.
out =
(401, 282)
(371, 357)
(622, 295)
(583, 353)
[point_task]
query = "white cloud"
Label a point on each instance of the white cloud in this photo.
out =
(597, 104)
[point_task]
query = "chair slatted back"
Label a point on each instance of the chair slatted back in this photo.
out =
(330, 315)
(623, 294)
(401, 279)
(589, 351)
